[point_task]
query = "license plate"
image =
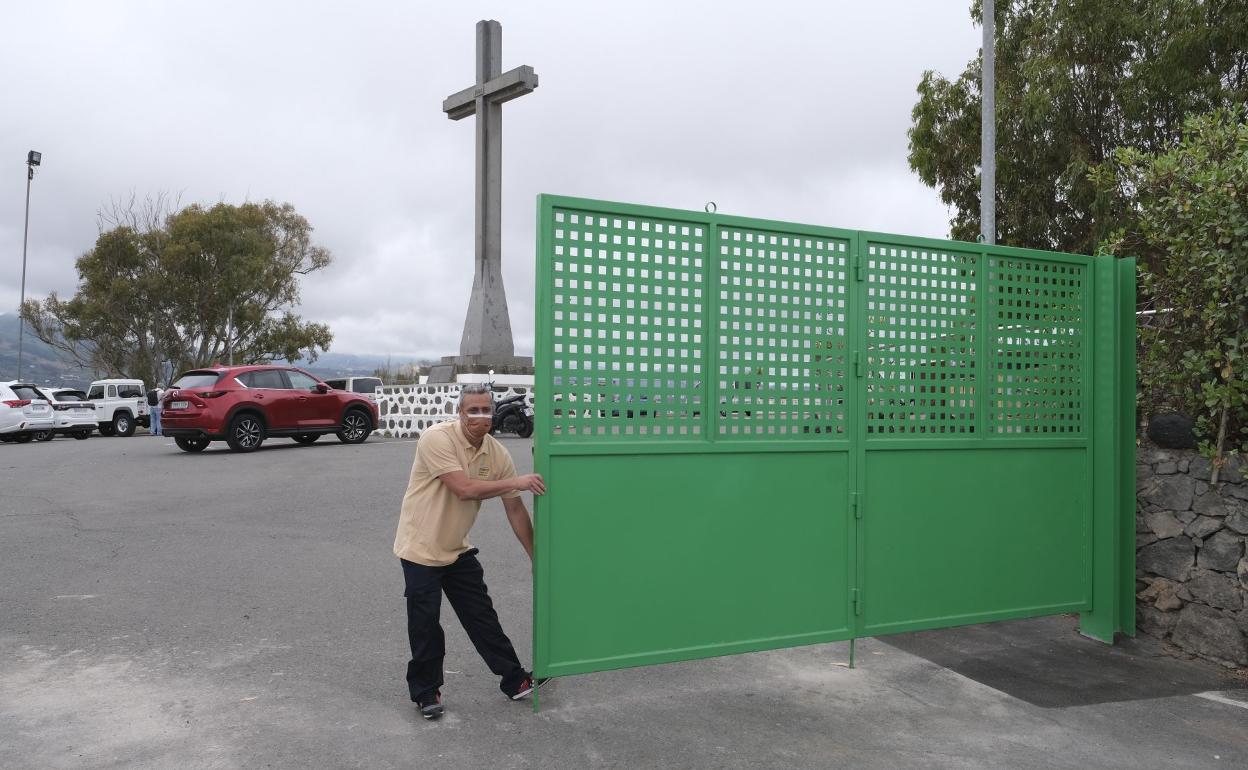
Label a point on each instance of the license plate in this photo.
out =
(179, 404)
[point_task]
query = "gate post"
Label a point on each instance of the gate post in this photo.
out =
(1113, 452)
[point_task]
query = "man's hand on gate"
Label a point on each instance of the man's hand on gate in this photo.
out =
(531, 482)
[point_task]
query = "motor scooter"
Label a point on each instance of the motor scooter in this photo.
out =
(511, 414)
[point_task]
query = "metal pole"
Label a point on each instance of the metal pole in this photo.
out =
(21, 324)
(988, 119)
(229, 336)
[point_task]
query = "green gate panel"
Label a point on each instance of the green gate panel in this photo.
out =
(957, 536)
(759, 434)
(711, 554)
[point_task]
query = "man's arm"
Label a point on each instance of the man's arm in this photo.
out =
(468, 489)
(518, 517)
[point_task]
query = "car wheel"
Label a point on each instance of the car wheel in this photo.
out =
(355, 427)
(106, 429)
(123, 425)
(22, 438)
(43, 435)
(187, 444)
(246, 433)
(307, 438)
(82, 434)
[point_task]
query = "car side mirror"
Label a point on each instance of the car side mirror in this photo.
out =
(322, 387)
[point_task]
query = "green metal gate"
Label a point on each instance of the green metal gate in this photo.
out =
(761, 434)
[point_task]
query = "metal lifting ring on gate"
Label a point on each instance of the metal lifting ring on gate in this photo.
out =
(711, 208)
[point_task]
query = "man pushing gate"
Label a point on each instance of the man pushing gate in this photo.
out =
(765, 434)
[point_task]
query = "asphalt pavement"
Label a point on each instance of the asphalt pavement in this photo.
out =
(166, 610)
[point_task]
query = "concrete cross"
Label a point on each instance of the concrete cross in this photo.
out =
(487, 328)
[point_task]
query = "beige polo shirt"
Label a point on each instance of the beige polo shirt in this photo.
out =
(433, 522)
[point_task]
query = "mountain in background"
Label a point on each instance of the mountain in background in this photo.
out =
(41, 364)
(45, 365)
(353, 364)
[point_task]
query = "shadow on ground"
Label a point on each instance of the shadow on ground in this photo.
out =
(1045, 662)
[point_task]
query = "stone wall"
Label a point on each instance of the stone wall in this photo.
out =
(406, 410)
(1191, 565)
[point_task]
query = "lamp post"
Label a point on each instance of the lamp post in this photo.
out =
(988, 125)
(33, 159)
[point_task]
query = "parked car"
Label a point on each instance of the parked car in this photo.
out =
(120, 406)
(244, 405)
(23, 412)
(364, 385)
(72, 414)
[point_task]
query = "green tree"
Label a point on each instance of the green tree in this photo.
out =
(191, 287)
(1191, 206)
(1074, 82)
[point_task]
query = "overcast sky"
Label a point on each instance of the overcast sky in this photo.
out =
(794, 111)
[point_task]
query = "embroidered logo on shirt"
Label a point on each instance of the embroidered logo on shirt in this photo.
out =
(483, 472)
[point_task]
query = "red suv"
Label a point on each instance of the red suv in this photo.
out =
(244, 405)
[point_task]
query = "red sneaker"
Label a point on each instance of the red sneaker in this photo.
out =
(527, 685)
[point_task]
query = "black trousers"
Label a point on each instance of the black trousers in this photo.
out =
(464, 584)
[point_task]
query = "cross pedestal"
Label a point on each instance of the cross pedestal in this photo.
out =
(487, 341)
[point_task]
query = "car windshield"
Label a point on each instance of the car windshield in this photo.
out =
(197, 380)
(366, 385)
(337, 384)
(97, 393)
(69, 395)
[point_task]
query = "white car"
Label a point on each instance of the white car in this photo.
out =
(120, 406)
(364, 385)
(72, 414)
(23, 412)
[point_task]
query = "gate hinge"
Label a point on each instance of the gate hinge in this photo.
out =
(857, 266)
(857, 594)
(857, 363)
(855, 502)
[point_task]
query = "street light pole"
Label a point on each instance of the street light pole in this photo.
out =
(32, 159)
(988, 125)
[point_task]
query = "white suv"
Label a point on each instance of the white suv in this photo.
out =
(74, 415)
(23, 412)
(366, 386)
(120, 406)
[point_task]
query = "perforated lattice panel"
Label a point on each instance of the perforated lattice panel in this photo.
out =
(633, 297)
(1037, 355)
(782, 334)
(628, 327)
(921, 340)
